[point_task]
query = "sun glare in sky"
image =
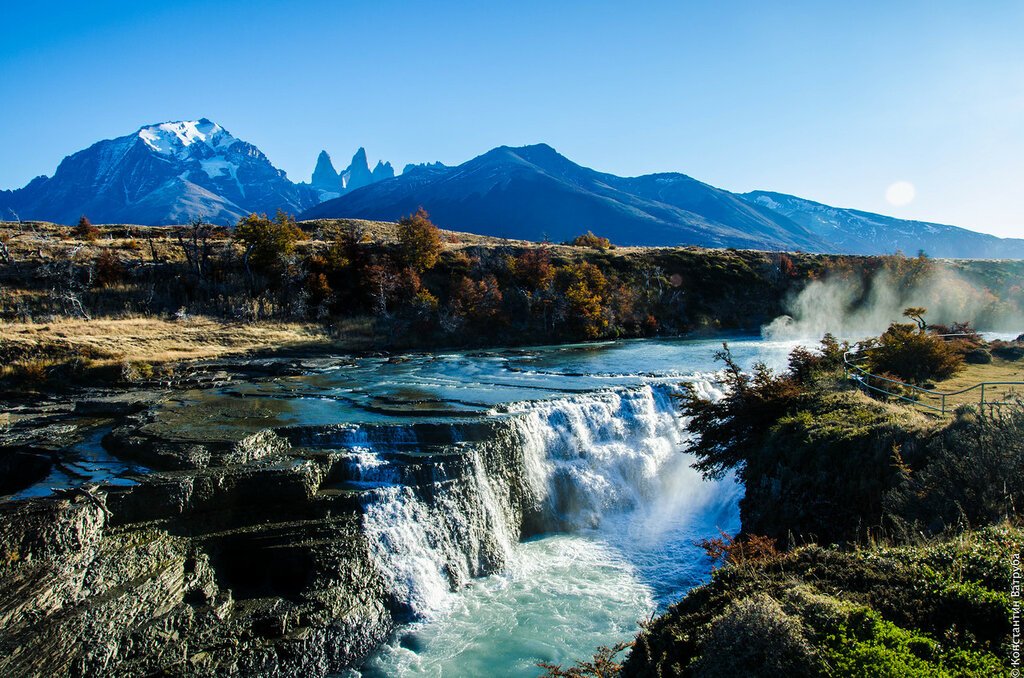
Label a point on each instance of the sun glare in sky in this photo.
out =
(900, 193)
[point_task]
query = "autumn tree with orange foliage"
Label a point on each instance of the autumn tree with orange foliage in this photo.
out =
(532, 268)
(585, 287)
(419, 241)
(729, 550)
(85, 230)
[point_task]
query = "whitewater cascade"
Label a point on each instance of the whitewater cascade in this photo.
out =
(446, 502)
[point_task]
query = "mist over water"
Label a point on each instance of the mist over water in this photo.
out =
(851, 308)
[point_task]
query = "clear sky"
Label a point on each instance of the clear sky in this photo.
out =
(837, 102)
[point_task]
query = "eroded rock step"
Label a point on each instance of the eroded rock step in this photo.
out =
(232, 556)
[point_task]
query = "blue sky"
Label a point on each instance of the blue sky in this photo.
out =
(830, 101)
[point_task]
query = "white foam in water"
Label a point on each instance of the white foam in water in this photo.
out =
(558, 591)
(605, 467)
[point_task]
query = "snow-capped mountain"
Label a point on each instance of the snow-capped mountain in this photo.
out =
(162, 174)
(855, 231)
(331, 184)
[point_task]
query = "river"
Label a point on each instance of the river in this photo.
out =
(524, 505)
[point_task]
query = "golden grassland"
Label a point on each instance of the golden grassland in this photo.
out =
(40, 241)
(999, 370)
(158, 340)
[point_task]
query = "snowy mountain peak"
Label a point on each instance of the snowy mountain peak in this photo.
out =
(165, 173)
(175, 138)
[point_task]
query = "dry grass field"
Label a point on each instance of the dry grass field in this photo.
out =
(156, 340)
(998, 370)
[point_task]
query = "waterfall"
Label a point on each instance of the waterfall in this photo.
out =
(437, 514)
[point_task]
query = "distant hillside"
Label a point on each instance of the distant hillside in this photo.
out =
(532, 192)
(854, 231)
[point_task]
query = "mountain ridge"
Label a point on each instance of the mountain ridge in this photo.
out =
(161, 173)
(871, 233)
(533, 192)
(175, 171)
(172, 172)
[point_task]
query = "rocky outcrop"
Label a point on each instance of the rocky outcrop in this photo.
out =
(325, 177)
(383, 171)
(241, 569)
(258, 541)
(330, 183)
(247, 552)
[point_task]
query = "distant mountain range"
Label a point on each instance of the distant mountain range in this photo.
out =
(533, 192)
(171, 172)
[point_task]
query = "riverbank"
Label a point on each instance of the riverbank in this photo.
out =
(876, 540)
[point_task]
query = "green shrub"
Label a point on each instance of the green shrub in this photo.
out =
(806, 365)
(864, 644)
(974, 474)
(267, 242)
(755, 637)
(913, 355)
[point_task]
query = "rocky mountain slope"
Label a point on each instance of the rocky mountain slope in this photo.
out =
(849, 230)
(165, 173)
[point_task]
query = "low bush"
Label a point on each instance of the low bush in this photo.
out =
(973, 474)
(1007, 350)
(913, 355)
(938, 609)
(84, 230)
(588, 239)
(978, 356)
(754, 636)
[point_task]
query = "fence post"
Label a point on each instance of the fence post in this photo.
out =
(943, 404)
(982, 394)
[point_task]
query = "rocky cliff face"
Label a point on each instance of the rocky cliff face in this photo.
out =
(325, 177)
(244, 552)
(329, 183)
(239, 563)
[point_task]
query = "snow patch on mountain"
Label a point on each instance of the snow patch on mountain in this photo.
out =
(174, 138)
(856, 231)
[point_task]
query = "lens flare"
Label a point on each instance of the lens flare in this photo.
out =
(900, 193)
